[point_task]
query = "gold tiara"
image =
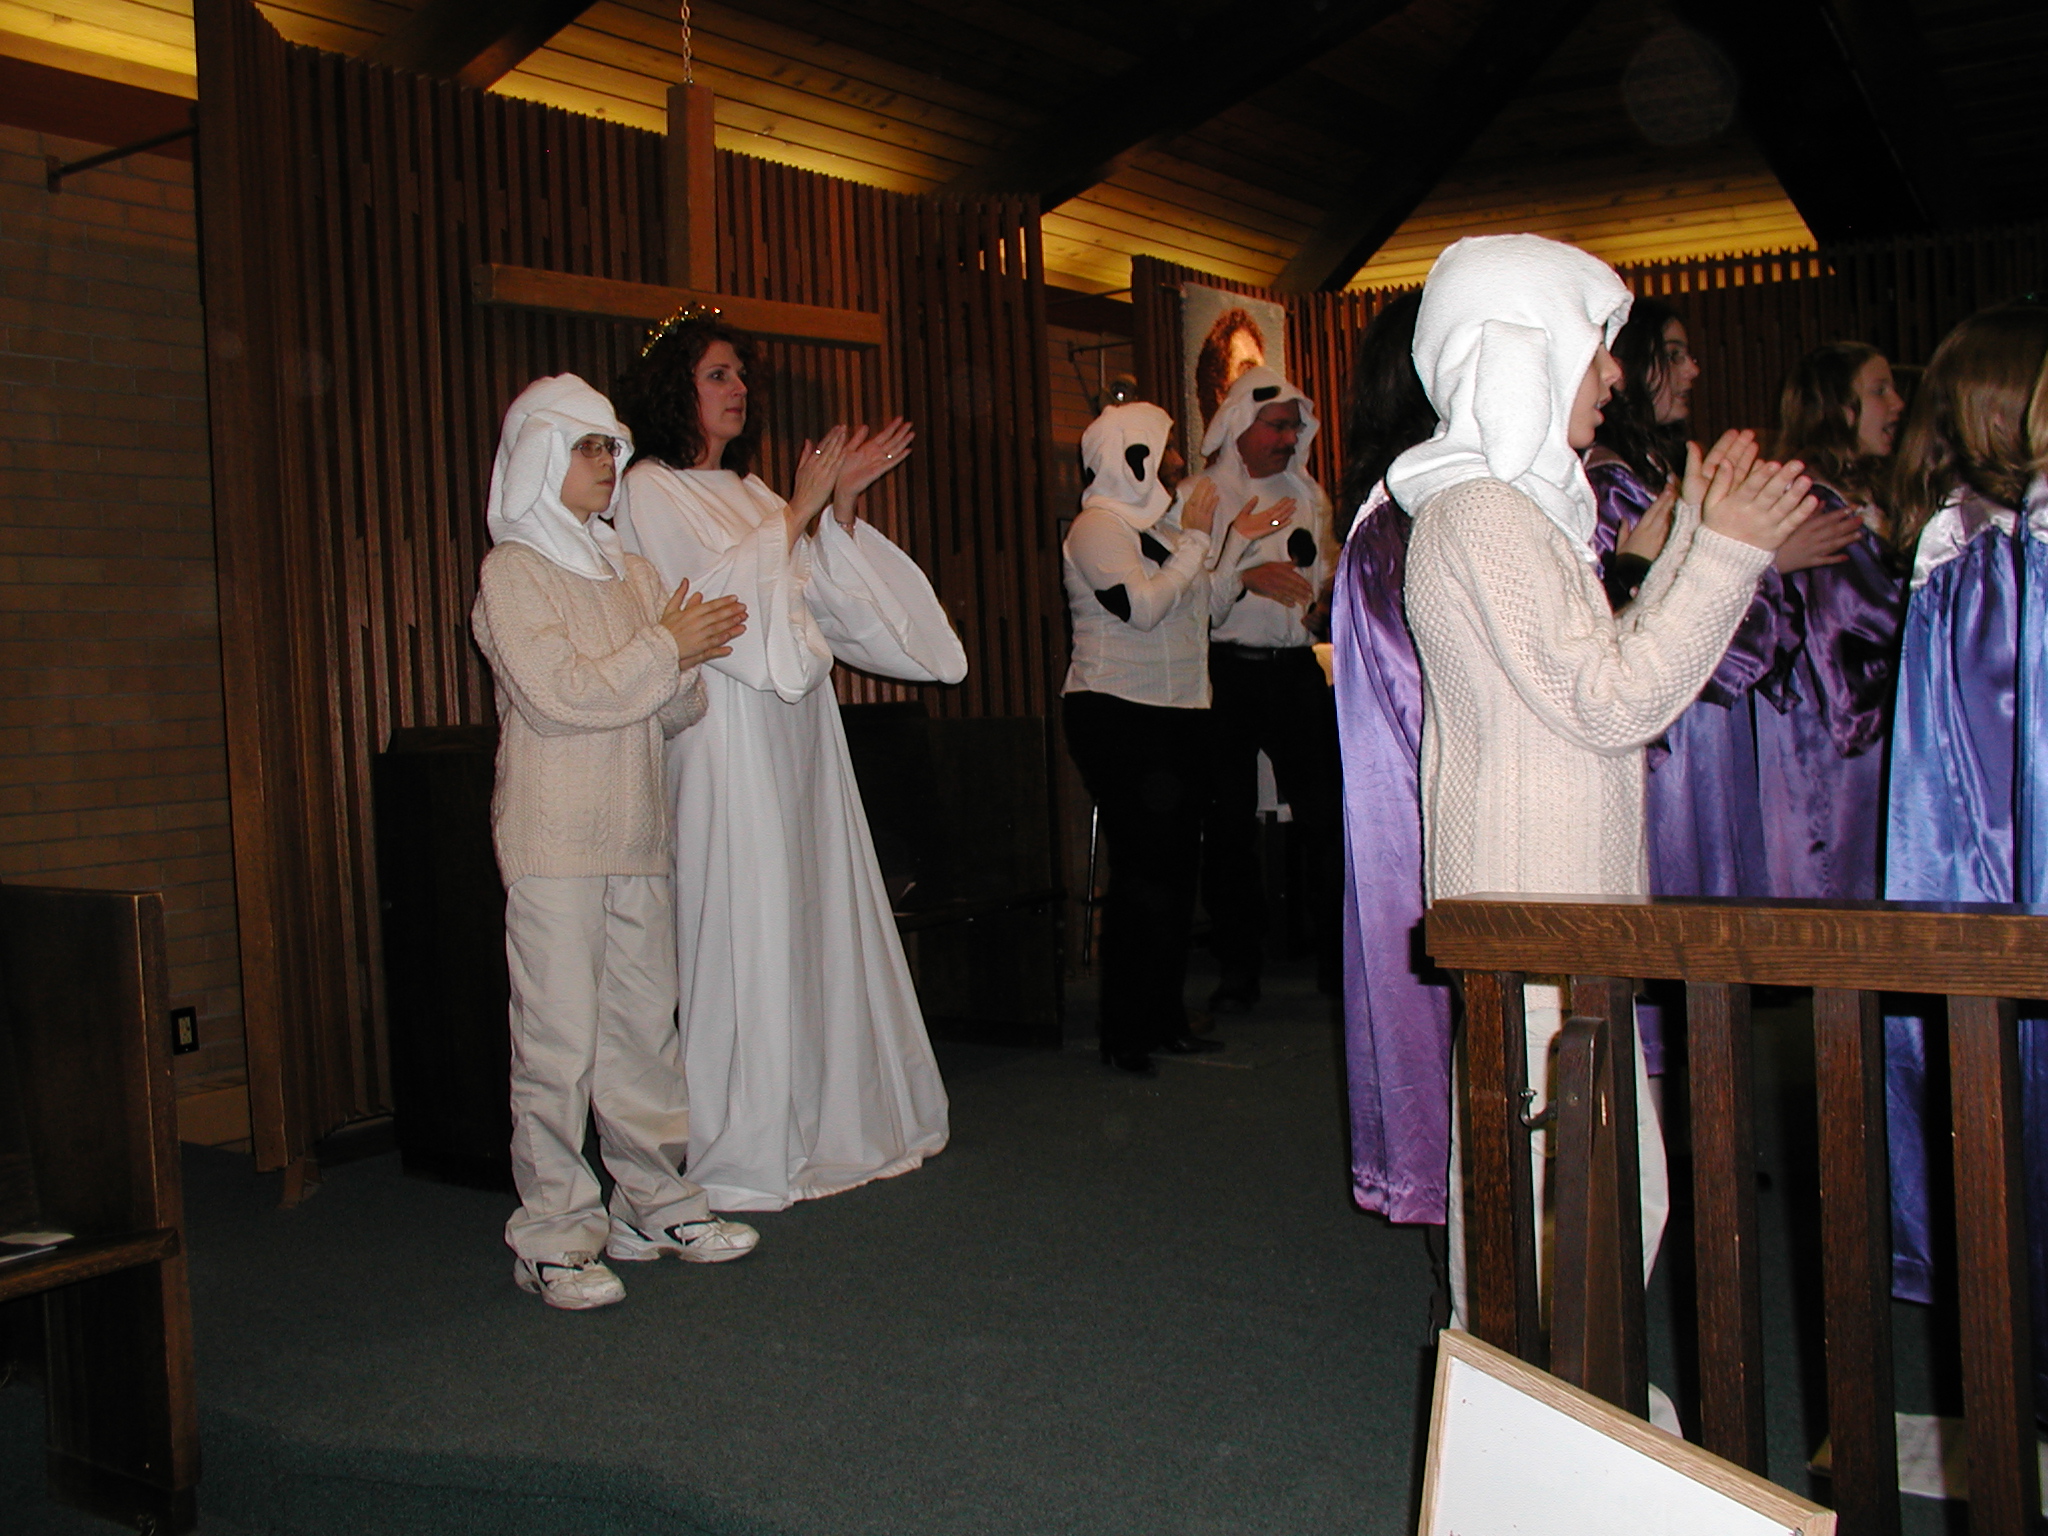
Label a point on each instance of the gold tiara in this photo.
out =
(690, 311)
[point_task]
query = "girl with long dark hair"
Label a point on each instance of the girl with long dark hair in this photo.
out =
(1702, 811)
(1821, 724)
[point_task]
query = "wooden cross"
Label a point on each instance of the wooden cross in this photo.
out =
(692, 258)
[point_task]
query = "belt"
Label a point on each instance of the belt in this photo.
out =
(1238, 652)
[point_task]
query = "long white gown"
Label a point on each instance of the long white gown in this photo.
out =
(808, 1065)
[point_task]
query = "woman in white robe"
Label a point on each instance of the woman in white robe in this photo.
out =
(808, 1065)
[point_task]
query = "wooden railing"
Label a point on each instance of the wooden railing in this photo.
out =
(1981, 957)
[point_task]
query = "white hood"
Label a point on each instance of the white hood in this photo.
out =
(1508, 326)
(541, 430)
(1255, 389)
(1122, 449)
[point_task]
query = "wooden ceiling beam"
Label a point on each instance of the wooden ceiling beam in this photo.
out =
(1511, 43)
(1844, 101)
(471, 44)
(1243, 49)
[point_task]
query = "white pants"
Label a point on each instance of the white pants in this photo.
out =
(593, 963)
(1543, 1021)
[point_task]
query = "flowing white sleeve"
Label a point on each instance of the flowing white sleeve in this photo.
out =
(781, 651)
(877, 610)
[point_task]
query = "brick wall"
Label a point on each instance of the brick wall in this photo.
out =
(113, 770)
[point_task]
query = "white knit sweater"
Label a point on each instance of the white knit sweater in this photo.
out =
(588, 690)
(1538, 702)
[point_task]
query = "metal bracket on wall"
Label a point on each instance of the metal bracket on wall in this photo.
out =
(55, 170)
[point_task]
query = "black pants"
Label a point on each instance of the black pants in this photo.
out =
(1279, 704)
(1147, 768)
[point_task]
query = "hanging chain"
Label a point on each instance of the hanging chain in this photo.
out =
(689, 77)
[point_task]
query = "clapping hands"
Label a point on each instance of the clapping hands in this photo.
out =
(1744, 497)
(866, 460)
(700, 628)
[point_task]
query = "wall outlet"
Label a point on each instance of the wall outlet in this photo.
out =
(184, 1031)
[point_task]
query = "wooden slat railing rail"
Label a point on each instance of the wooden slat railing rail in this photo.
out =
(1981, 957)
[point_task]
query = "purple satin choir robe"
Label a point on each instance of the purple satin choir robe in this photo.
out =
(1969, 788)
(1397, 1026)
(1821, 723)
(1701, 812)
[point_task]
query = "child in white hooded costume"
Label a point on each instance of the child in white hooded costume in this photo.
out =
(595, 668)
(1539, 700)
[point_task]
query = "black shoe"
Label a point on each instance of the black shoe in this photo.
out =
(1234, 997)
(1189, 1045)
(1137, 1063)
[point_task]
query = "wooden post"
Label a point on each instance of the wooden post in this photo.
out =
(1856, 1259)
(692, 188)
(1614, 999)
(1724, 1205)
(1991, 1251)
(1500, 1216)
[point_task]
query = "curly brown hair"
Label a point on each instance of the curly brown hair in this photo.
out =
(656, 397)
(1212, 363)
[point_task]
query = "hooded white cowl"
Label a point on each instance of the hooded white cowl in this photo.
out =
(542, 428)
(1121, 449)
(1240, 616)
(1255, 389)
(1508, 327)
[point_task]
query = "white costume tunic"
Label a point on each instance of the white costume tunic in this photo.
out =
(807, 1060)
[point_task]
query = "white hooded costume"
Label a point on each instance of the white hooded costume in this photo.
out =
(1240, 616)
(1537, 699)
(810, 1070)
(588, 690)
(1133, 575)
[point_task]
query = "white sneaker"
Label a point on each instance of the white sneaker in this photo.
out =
(574, 1282)
(700, 1242)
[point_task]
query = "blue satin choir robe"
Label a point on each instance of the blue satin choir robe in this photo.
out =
(1969, 822)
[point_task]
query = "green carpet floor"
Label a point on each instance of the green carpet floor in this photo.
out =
(1110, 1306)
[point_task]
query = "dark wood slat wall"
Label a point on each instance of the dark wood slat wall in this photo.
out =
(356, 392)
(1749, 318)
(970, 325)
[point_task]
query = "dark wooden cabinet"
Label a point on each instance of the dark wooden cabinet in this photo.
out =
(961, 815)
(445, 985)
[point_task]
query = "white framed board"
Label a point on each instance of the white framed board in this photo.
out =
(1513, 1451)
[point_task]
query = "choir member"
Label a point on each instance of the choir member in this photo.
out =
(1702, 813)
(809, 1068)
(1136, 711)
(1397, 1014)
(1821, 725)
(596, 663)
(1538, 700)
(1267, 692)
(1969, 772)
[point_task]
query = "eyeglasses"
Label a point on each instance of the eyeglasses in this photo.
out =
(596, 447)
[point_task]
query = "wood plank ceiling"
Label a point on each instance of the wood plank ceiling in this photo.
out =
(1600, 121)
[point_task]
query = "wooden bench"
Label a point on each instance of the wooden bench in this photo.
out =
(89, 1145)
